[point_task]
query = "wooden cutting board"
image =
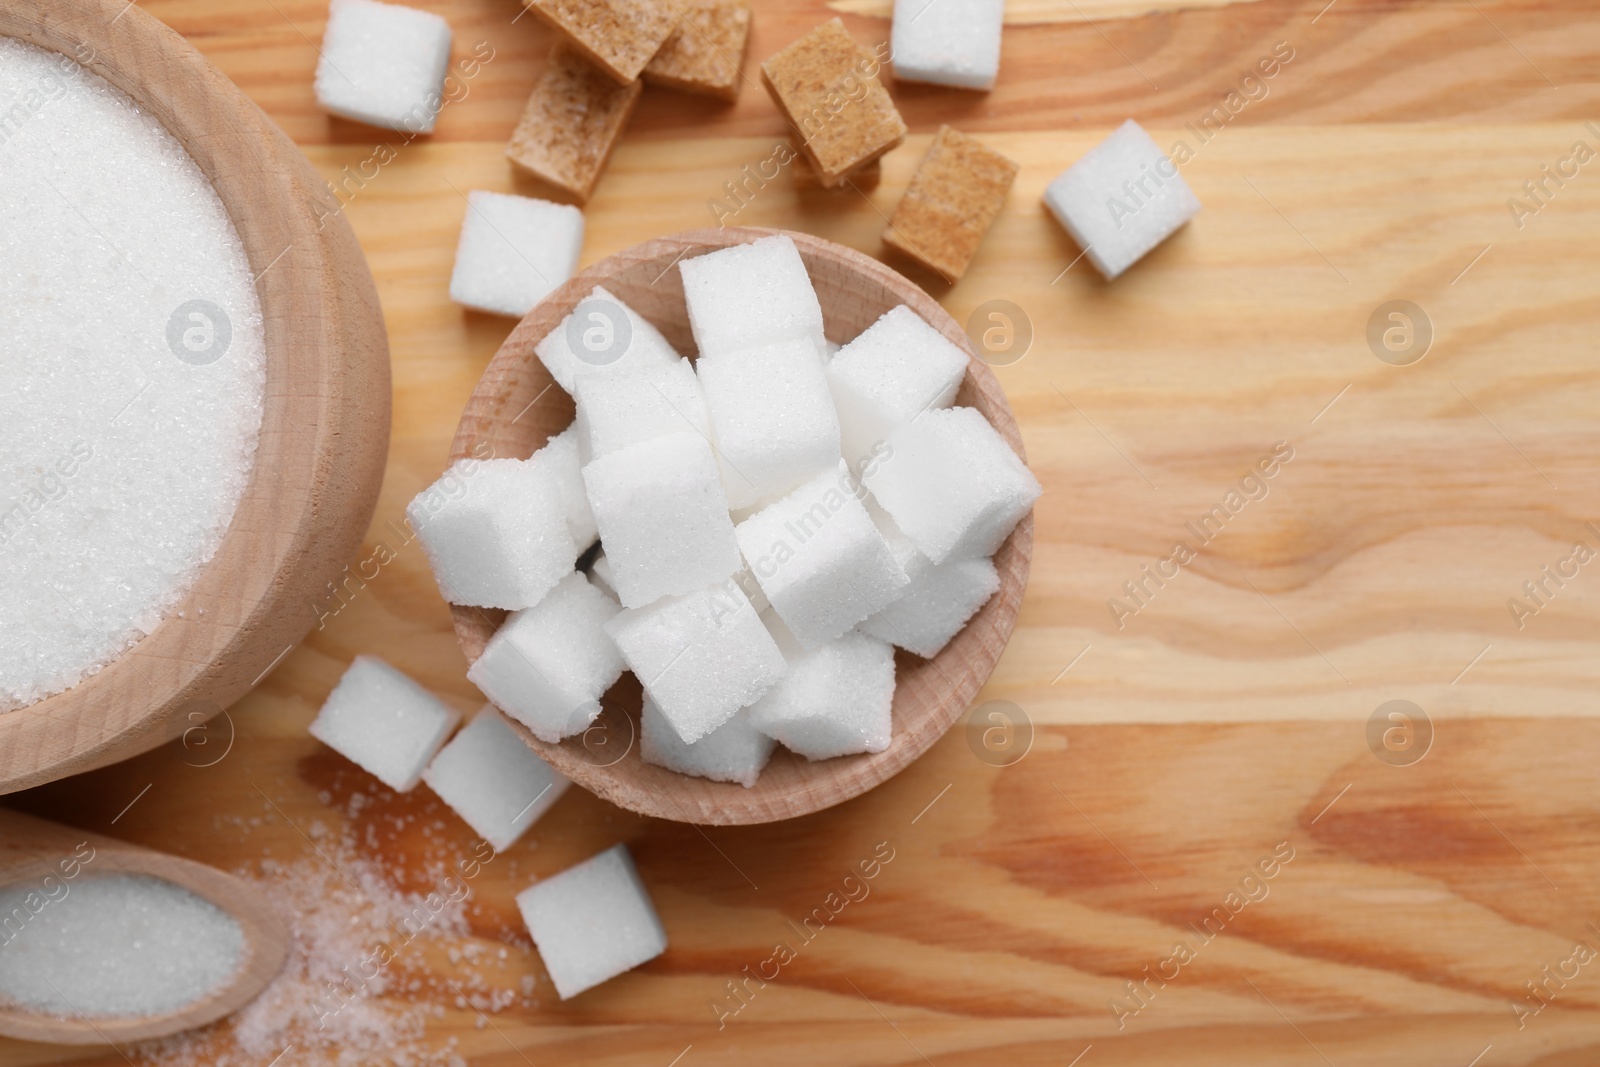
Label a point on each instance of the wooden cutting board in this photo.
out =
(1218, 723)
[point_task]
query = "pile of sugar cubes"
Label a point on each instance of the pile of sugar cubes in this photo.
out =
(760, 528)
(771, 522)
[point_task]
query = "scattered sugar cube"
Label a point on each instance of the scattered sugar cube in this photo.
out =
(663, 517)
(592, 922)
(954, 197)
(895, 370)
(494, 781)
(559, 458)
(819, 558)
(1124, 197)
(863, 179)
(952, 484)
(751, 295)
(705, 54)
(827, 86)
(602, 335)
(571, 123)
(772, 417)
(601, 577)
(733, 752)
(383, 64)
(548, 665)
(618, 36)
(947, 42)
(701, 657)
(934, 608)
(384, 722)
(618, 410)
(836, 700)
(495, 532)
(514, 251)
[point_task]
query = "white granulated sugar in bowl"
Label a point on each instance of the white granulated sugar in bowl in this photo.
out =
(132, 370)
(126, 944)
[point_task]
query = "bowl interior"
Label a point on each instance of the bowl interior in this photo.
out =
(517, 407)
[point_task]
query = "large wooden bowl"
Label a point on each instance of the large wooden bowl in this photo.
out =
(324, 428)
(517, 407)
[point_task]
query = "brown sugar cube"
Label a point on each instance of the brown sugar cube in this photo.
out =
(705, 54)
(619, 36)
(827, 86)
(954, 196)
(865, 178)
(571, 123)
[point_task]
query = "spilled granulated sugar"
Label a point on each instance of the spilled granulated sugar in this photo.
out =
(370, 966)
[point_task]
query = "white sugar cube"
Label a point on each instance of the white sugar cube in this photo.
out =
(896, 369)
(947, 42)
(495, 532)
(733, 752)
(548, 666)
(752, 295)
(618, 410)
(383, 64)
(952, 484)
(602, 335)
(559, 460)
(701, 657)
(772, 418)
(663, 517)
(514, 251)
(1124, 197)
(836, 700)
(592, 922)
(489, 777)
(384, 722)
(935, 607)
(819, 558)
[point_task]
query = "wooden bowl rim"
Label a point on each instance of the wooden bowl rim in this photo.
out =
(825, 783)
(314, 477)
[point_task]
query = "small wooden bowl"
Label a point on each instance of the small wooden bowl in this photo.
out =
(33, 850)
(517, 407)
(324, 430)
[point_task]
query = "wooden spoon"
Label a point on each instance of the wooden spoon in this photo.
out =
(517, 407)
(32, 850)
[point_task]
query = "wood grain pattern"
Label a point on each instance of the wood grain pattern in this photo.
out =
(1420, 900)
(504, 418)
(47, 856)
(324, 424)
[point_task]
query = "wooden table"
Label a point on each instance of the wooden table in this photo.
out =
(1215, 721)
